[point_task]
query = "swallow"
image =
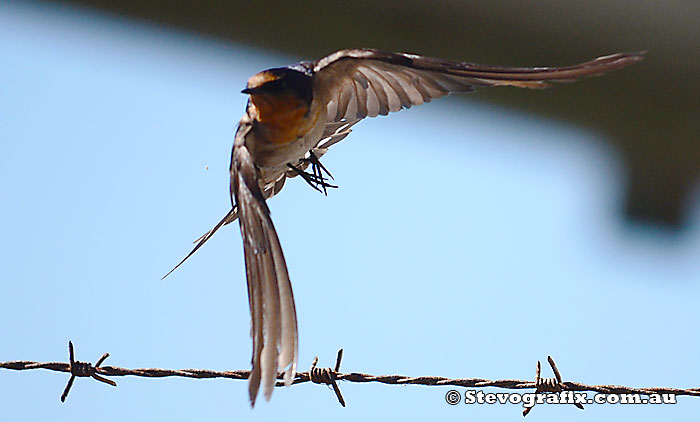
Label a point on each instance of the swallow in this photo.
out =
(293, 116)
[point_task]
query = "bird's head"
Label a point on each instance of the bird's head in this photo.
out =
(280, 83)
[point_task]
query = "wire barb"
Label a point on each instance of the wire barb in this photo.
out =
(548, 385)
(328, 376)
(83, 369)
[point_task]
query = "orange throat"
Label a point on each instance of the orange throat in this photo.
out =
(283, 117)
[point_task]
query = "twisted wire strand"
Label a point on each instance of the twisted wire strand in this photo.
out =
(330, 377)
(358, 377)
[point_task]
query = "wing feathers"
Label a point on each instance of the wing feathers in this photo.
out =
(256, 332)
(386, 82)
(397, 89)
(376, 82)
(273, 316)
(408, 84)
(344, 95)
(288, 323)
(373, 106)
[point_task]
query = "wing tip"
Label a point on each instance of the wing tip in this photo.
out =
(622, 59)
(253, 387)
(290, 373)
(269, 387)
(630, 55)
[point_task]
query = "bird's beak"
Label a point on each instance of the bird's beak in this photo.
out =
(248, 91)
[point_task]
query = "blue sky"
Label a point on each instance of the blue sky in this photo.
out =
(493, 240)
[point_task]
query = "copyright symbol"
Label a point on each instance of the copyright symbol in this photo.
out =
(453, 397)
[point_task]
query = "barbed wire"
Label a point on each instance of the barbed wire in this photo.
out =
(330, 377)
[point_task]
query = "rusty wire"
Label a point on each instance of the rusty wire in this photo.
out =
(330, 377)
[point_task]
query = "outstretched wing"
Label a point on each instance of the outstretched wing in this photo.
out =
(365, 83)
(273, 316)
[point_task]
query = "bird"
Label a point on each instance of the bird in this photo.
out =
(294, 114)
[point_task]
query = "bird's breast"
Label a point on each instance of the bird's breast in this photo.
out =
(283, 118)
(285, 130)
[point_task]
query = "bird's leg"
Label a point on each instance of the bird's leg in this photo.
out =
(315, 179)
(317, 166)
